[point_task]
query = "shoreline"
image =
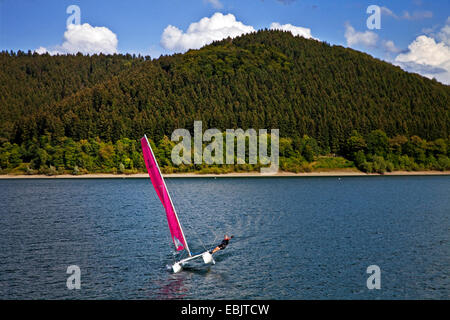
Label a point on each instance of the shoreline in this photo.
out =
(333, 173)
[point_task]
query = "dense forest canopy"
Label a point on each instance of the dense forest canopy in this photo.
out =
(267, 79)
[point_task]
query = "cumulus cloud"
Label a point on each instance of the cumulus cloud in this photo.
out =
(86, 39)
(42, 50)
(429, 57)
(296, 31)
(353, 37)
(203, 32)
(218, 27)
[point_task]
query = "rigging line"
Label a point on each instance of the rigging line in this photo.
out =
(215, 237)
(198, 236)
(212, 244)
(187, 223)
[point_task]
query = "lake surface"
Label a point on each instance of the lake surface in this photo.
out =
(295, 238)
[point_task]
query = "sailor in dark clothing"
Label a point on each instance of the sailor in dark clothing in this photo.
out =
(222, 245)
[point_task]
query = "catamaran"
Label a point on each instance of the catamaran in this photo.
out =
(176, 231)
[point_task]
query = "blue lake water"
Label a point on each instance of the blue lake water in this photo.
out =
(295, 238)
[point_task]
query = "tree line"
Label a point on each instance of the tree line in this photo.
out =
(372, 153)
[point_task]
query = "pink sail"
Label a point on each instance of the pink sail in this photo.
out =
(163, 194)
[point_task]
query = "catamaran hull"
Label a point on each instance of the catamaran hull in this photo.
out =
(177, 267)
(206, 256)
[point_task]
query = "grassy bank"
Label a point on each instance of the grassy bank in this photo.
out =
(324, 173)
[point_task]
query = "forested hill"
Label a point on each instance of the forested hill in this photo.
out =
(267, 79)
(31, 83)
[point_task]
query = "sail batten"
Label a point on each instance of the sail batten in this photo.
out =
(159, 184)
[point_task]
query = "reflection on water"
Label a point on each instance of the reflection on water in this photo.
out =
(294, 238)
(171, 288)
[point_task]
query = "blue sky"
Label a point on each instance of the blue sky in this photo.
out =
(138, 26)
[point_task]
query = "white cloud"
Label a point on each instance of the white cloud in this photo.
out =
(353, 37)
(42, 50)
(296, 31)
(368, 39)
(389, 46)
(203, 32)
(425, 50)
(428, 57)
(218, 27)
(444, 34)
(215, 3)
(388, 12)
(416, 15)
(85, 39)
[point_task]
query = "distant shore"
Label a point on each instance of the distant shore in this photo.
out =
(335, 173)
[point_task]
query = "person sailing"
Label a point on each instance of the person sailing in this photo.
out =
(222, 245)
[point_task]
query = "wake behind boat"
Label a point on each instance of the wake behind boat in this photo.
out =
(176, 231)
